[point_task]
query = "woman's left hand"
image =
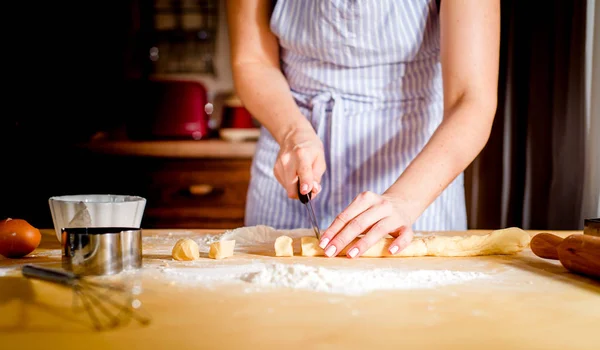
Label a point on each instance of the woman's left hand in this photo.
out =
(376, 216)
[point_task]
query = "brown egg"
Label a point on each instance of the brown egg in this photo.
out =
(18, 238)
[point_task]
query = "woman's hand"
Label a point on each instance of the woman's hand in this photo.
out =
(301, 158)
(372, 214)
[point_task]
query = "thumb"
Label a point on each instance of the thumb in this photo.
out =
(402, 241)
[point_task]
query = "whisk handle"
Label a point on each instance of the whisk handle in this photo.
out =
(47, 274)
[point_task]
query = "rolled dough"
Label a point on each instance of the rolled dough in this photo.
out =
(499, 242)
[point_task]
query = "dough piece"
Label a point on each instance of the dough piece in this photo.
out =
(499, 242)
(185, 249)
(310, 246)
(221, 249)
(283, 246)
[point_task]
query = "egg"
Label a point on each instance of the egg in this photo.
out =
(18, 238)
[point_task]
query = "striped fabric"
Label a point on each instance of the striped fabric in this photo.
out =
(367, 75)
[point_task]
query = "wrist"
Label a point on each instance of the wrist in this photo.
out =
(285, 131)
(410, 208)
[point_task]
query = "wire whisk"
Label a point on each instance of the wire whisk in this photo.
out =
(108, 305)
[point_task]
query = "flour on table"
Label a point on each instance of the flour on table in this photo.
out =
(264, 276)
(48, 253)
(353, 281)
(7, 271)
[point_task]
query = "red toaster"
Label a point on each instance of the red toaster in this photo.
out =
(167, 109)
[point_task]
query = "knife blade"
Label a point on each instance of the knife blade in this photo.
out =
(306, 200)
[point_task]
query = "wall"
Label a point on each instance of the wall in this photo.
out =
(591, 202)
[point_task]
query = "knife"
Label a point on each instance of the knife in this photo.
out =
(306, 199)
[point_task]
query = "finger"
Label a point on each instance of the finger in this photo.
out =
(360, 224)
(304, 170)
(279, 173)
(319, 167)
(397, 231)
(379, 230)
(403, 241)
(361, 203)
(316, 189)
(290, 186)
(288, 175)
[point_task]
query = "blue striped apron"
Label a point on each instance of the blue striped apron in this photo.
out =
(367, 76)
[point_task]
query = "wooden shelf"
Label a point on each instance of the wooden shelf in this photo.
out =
(218, 149)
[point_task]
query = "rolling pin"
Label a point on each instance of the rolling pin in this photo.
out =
(578, 253)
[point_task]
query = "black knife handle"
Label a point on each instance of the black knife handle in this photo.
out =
(304, 198)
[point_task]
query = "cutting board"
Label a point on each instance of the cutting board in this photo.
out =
(528, 303)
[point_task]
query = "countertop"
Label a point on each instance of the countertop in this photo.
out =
(173, 148)
(526, 303)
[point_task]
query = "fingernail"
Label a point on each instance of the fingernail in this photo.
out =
(330, 251)
(353, 252)
(324, 243)
(304, 188)
(394, 249)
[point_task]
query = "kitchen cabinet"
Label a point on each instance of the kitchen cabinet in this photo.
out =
(187, 184)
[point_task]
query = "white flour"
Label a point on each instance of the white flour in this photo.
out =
(262, 276)
(352, 281)
(6, 271)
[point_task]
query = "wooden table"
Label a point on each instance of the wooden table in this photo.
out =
(532, 304)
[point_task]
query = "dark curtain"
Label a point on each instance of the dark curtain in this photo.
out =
(69, 85)
(530, 173)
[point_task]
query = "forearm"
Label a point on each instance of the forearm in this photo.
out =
(266, 94)
(453, 146)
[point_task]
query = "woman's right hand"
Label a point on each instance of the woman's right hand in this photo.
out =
(301, 158)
